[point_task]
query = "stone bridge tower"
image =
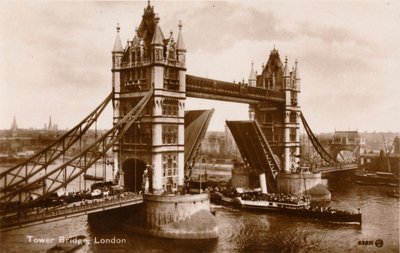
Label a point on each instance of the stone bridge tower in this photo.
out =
(280, 122)
(153, 148)
(150, 60)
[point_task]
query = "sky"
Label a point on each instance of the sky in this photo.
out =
(56, 56)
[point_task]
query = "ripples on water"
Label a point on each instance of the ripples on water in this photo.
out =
(245, 231)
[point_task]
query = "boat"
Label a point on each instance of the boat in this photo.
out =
(69, 245)
(286, 204)
(197, 184)
(226, 198)
(394, 193)
(92, 178)
(376, 178)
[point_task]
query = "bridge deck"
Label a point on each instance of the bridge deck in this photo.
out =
(99, 205)
(255, 150)
(196, 124)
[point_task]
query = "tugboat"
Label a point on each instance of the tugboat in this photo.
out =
(394, 193)
(286, 204)
(226, 197)
(376, 178)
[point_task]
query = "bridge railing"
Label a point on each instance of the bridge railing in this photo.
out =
(147, 61)
(84, 206)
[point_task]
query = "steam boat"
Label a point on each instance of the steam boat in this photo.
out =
(376, 178)
(285, 204)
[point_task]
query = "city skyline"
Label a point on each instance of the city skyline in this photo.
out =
(58, 63)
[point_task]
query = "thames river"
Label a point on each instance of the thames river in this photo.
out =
(239, 231)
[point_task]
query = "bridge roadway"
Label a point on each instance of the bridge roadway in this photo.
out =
(340, 167)
(72, 210)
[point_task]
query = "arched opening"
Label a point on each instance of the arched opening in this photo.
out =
(346, 156)
(133, 174)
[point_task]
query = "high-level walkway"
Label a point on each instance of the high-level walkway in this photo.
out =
(200, 87)
(73, 210)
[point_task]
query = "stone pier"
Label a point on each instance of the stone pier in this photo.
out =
(304, 184)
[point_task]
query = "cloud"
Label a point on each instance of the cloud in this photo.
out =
(216, 26)
(56, 56)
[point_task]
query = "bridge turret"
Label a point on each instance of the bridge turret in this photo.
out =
(157, 43)
(272, 72)
(297, 76)
(286, 74)
(291, 131)
(252, 76)
(180, 46)
(117, 54)
(117, 51)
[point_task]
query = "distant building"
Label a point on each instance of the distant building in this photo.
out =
(14, 128)
(219, 143)
(51, 127)
(387, 159)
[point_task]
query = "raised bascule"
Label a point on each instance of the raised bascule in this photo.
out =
(154, 142)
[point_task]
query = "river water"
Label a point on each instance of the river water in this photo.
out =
(241, 231)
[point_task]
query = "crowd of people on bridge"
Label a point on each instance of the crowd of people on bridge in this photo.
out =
(39, 213)
(101, 191)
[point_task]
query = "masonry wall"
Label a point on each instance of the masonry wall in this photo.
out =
(163, 210)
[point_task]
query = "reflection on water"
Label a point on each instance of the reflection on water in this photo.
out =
(243, 231)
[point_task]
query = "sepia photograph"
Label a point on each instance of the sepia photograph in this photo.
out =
(199, 126)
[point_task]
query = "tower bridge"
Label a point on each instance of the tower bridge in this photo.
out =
(154, 142)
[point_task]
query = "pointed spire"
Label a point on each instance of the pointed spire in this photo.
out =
(296, 70)
(252, 75)
(135, 39)
(274, 51)
(180, 44)
(50, 126)
(286, 68)
(118, 44)
(158, 37)
(14, 128)
(149, 8)
(14, 124)
(171, 38)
